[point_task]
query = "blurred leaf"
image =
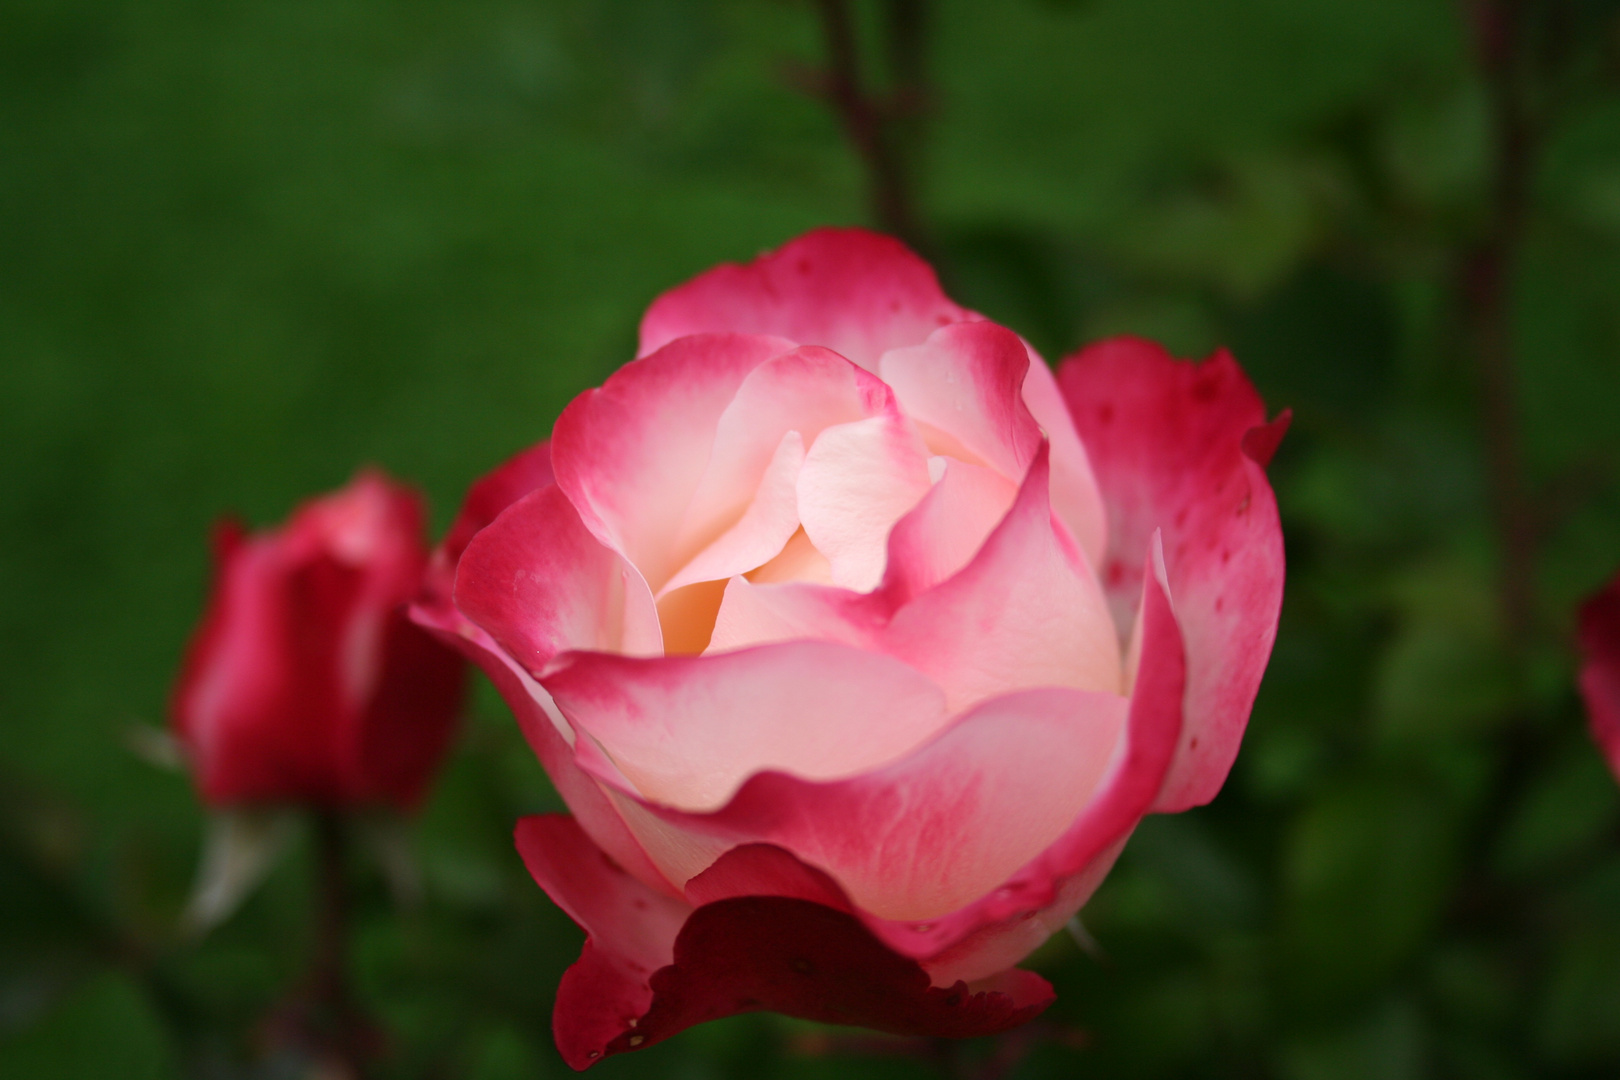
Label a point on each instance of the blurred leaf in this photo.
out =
(1387, 1044)
(1570, 807)
(1243, 226)
(1209, 889)
(1444, 673)
(1579, 1009)
(1324, 343)
(106, 1028)
(1367, 869)
(1435, 149)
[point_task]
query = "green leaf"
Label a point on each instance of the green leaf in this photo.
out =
(1366, 873)
(106, 1028)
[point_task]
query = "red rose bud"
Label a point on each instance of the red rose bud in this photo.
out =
(306, 682)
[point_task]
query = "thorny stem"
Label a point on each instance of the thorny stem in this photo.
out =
(1498, 28)
(867, 121)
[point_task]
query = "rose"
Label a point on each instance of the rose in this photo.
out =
(858, 643)
(305, 682)
(1599, 635)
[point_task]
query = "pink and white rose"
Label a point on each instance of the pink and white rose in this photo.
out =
(858, 643)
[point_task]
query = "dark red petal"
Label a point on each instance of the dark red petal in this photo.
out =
(802, 959)
(786, 954)
(1600, 674)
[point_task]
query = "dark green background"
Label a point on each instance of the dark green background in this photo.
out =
(246, 246)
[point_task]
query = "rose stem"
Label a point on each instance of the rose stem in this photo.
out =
(335, 1014)
(1498, 31)
(866, 121)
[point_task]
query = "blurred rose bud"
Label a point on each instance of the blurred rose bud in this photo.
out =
(859, 643)
(305, 682)
(1600, 673)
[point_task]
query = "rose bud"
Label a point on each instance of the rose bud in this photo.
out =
(858, 643)
(1599, 635)
(306, 683)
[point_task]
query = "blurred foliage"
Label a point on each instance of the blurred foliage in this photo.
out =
(249, 246)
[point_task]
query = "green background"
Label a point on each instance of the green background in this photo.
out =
(246, 246)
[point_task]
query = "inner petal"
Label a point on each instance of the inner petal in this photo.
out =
(805, 390)
(797, 561)
(687, 617)
(857, 481)
(966, 382)
(759, 535)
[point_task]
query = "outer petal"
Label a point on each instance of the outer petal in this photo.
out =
(631, 453)
(855, 292)
(259, 702)
(936, 830)
(1167, 441)
(540, 584)
(687, 731)
(1007, 923)
(548, 735)
(1600, 673)
(631, 934)
(737, 953)
(526, 471)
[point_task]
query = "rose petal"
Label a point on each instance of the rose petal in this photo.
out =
(631, 453)
(1023, 613)
(631, 934)
(765, 870)
(939, 828)
(802, 959)
(966, 382)
(855, 292)
(1166, 440)
(1046, 891)
(548, 735)
(947, 528)
(687, 731)
(1075, 495)
(857, 481)
(738, 953)
(403, 733)
(804, 391)
(764, 529)
(1599, 635)
(540, 584)
(523, 472)
(753, 614)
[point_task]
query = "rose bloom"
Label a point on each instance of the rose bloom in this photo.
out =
(306, 683)
(1599, 635)
(858, 643)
